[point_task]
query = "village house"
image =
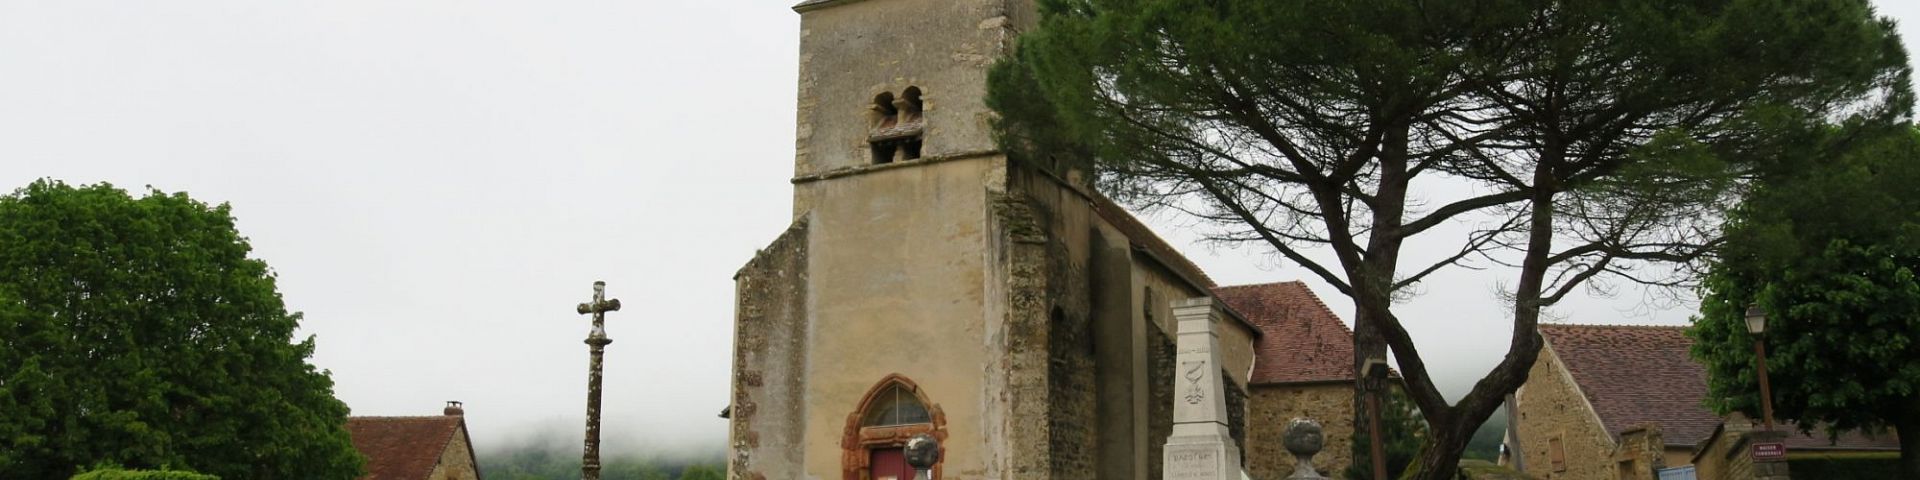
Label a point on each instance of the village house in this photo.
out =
(1303, 367)
(416, 448)
(1607, 402)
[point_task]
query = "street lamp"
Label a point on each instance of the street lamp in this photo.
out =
(1757, 325)
(1374, 380)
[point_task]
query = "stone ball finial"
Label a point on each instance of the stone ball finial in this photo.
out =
(922, 451)
(1304, 439)
(1304, 436)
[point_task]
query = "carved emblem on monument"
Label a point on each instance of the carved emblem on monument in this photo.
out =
(1195, 372)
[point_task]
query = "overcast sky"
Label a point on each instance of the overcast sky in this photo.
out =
(438, 183)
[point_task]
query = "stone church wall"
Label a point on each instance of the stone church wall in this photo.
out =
(1161, 370)
(1057, 270)
(1237, 415)
(852, 51)
(768, 404)
(1021, 390)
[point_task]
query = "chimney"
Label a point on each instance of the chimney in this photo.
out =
(453, 409)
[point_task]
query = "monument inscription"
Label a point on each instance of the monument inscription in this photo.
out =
(1192, 463)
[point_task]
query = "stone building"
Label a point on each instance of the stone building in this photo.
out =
(930, 284)
(1609, 402)
(1303, 368)
(416, 448)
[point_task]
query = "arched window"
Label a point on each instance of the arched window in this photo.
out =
(896, 125)
(896, 406)
(892, 411)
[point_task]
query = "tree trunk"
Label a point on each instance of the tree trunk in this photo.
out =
(1907, 426)
(1439, 457)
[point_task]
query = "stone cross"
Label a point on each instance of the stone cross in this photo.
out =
(597, 343)
(1201, 447)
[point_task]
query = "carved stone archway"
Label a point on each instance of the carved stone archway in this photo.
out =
(861, 437)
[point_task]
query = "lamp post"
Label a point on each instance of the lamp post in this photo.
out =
(1757, 325)
(1374, 382)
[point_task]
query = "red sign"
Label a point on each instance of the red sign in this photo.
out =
(1769, 451)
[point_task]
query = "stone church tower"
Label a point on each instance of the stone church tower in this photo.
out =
(931, 284)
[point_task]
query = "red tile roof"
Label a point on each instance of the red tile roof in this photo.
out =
(1302, 341)
(1637, 374)
(402, 448)
(1643, 374)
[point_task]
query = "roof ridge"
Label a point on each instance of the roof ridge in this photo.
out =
(1606, 326)
(1311, 296)
(1117, 214)
(401, 417)
(1252, 285)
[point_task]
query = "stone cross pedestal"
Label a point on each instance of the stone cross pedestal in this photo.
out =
(1201, 448)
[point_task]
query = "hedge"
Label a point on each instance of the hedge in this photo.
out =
(1845, 465)
(118, 474)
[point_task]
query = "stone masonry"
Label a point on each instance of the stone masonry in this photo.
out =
(1557, 423)
(769, 328)
(1272, 406)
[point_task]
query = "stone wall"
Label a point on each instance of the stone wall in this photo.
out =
(1272, 406)
(1717, 457)
(1160, 379)
(1552, 410)
(1642, 450)
(770, 349)
(852, 51)
(1727, 454)
(1024, 432)
(1073, 412)
(1236, 414)
(456, 462)
(1120, 351)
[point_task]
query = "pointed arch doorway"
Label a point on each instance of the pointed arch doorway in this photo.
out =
(892, 411)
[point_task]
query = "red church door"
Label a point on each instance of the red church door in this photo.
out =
(890, 464)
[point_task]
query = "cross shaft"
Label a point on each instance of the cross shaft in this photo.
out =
(596, 342)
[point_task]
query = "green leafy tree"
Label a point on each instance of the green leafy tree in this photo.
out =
(137, 332)
(1830, 252)
(1581, 142)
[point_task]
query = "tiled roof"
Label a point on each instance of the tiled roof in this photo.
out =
(402, 448)
(1637, 374)
(1145, 241)
(1643, 374)
(1302, 341)
(1144, 238)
